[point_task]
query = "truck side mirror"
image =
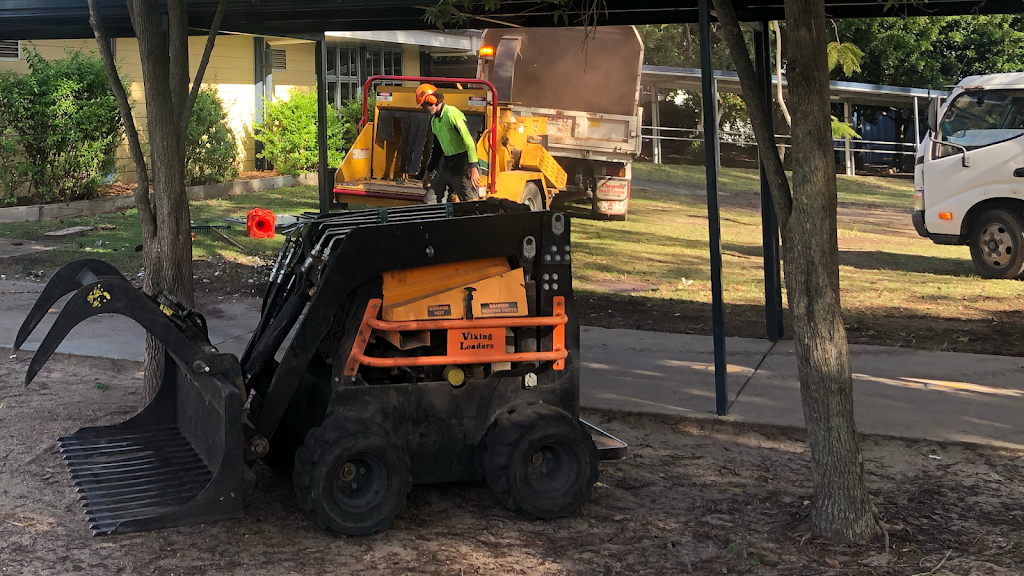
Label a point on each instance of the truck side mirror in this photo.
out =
(933, 118)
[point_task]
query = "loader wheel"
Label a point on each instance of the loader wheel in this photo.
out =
(539, 459)
(997, 244)
(532, 197)
(351, 476)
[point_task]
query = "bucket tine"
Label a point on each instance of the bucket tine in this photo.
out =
(117, 296)
(69, 278)
(180, 460)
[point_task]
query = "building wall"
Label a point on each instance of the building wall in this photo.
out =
(231, 70)
(301, 63)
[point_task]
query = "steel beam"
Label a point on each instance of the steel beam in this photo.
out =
(773, 318)
(714, 224)
(325, 185)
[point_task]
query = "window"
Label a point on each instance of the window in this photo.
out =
(979, 118)
(279, 59)
(388, 62)
(10, 50)
(342, 74)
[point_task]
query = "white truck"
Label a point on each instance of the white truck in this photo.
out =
(590, 96)
(969, 173)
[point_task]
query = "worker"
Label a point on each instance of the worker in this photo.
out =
(453, 153)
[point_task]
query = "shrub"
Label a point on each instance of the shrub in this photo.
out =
(288, 133)
(211, 150)
(352, 113)
(61, 128)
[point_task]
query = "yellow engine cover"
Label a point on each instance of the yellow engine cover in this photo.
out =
(439, 292)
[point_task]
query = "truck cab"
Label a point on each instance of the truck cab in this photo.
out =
(969, 173)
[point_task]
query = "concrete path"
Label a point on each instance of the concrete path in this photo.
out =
(944, 396)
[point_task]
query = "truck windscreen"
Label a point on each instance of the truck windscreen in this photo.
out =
(980, 118)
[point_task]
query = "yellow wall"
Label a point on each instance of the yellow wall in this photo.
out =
(231, 70)
(301, 73)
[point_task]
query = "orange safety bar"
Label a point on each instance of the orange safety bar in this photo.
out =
(515, 322)
(370, 321)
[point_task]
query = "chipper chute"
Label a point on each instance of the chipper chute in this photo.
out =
(432, 343)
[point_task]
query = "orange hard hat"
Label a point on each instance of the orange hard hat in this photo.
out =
(425, 93)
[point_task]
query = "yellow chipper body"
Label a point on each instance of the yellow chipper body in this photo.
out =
(394, 144)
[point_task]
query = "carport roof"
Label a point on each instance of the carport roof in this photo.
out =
(853, 92)
(53, 19)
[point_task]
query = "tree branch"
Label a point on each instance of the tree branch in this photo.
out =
(778, 72)
(142, 200)
(198, 80)
(760, 116)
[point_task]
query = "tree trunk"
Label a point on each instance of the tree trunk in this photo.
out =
(841, 510)
(164, 213)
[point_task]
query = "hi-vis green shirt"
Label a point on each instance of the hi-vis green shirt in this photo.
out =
(450, 131)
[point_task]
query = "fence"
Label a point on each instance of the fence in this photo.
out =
(850, 147)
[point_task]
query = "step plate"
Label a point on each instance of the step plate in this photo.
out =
(608, 447)
(124, 475)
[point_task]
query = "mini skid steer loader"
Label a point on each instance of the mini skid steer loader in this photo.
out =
(431, 343)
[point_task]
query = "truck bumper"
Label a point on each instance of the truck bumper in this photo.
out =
(947, 239)
(918, 219)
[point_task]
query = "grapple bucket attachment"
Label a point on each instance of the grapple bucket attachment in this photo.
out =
(180, 460)
(69, 278)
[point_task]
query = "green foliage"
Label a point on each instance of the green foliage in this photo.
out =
(679, 45)
(211, 150)
(351, 114)
(934, 52)
(842, 130)
(59, 129)
(844, 54)
(289, 133)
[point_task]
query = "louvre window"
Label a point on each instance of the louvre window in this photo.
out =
(279, 59)
(10, 50)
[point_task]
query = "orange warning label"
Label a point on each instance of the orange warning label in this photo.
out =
(476, 341)
(495, 308)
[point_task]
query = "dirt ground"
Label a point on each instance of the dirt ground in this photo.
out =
(691, 497)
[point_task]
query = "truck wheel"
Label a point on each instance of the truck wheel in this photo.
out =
(539, 459)
(351, 476)
(532, 197)
(997, 244)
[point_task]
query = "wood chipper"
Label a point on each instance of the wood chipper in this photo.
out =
(430, 343)
(392, 146)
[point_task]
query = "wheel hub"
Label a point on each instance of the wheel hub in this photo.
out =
(996, 244)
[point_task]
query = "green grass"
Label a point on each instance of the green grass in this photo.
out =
(118, 234)
(886, 270)
(869, 190)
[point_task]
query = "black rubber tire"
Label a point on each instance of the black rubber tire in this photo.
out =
(540, 460)
(997, 244)
(380, 471)
(532, 197)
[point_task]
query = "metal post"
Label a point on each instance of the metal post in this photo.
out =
(714, 225)
(656, 121)
(718, 120)
(326, 187)
(773, 319)
(851, 167)
(917, 125)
